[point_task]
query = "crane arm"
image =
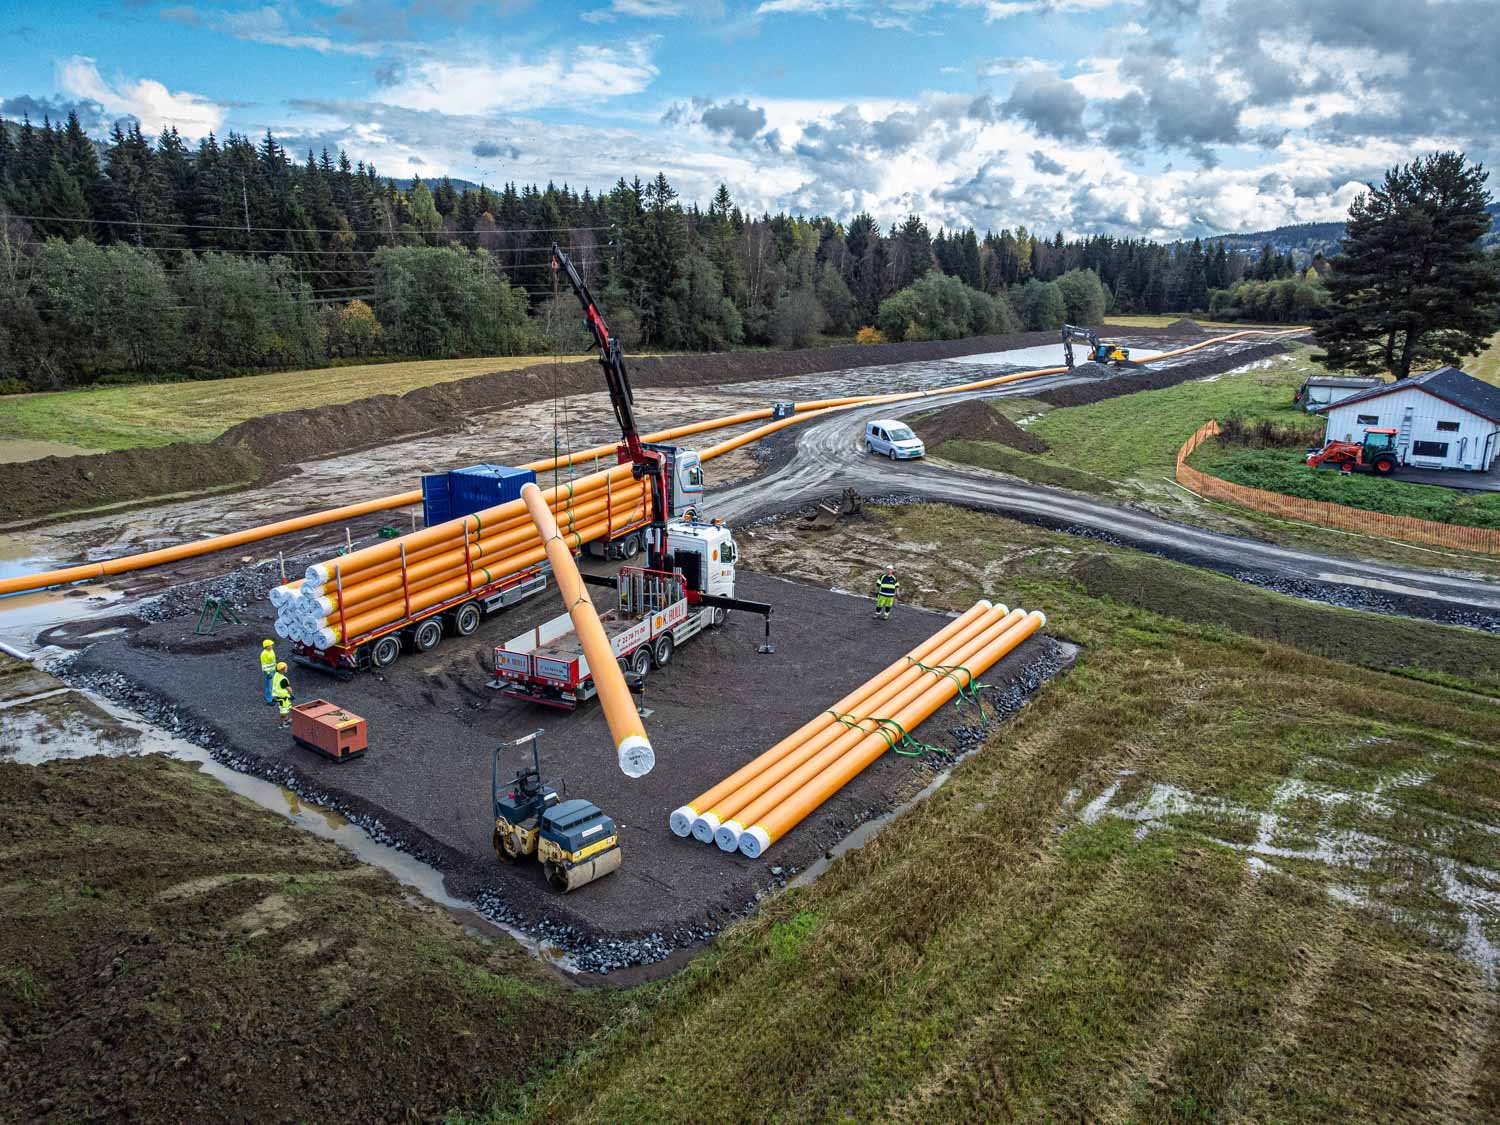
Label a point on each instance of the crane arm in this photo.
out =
(611, 359)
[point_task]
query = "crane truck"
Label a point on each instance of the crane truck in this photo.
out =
(686, 586)
(1099, 351)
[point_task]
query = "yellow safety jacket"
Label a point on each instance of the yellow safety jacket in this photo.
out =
(268, 660)
(886, 586)
(280, 688)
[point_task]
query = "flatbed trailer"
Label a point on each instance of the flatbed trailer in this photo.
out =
(652, 617)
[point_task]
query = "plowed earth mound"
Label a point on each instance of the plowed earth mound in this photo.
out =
(975, 421)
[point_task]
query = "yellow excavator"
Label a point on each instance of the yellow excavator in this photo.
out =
(1099, 351)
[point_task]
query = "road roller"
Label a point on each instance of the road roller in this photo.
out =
(574, 840)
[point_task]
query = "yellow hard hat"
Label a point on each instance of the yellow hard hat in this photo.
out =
(268, 643)
(281, 667)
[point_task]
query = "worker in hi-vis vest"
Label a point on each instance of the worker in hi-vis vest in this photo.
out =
(281, 691)
(268, 665)
(886, 589)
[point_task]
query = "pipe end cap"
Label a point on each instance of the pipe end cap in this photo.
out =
(728, 836)
(1041, 618)
(754, 842)
(636, 757)
(1002, 607)
(705, 827)
(681, 820)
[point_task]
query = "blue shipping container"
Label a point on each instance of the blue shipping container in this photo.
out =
(484, 486)
(437, 507)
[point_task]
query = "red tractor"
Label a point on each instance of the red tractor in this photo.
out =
(1376, 454)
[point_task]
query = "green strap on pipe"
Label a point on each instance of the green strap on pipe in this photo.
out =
(966, 690)
(893, 743)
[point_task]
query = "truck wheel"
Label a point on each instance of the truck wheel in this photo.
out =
(869, 448)
(720, 615)
(384, 651)
(466, 620)
(427, 634)
(630, 546)
(1384, 466)
(640, 660)
(661, 652)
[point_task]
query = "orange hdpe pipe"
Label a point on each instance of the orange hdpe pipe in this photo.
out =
(805, 411)
(632, 746)
(805, 762)
(786, 816)
(701, 810)
(745, 804)
(374, 615)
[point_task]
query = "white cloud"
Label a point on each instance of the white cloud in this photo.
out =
(145, 99)
(650, 10)
(267, 25)
(587, 73)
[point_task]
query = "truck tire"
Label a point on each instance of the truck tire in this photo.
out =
(630, 546)
(466, 618)
(640, 660)
(427, 634)
(383, 652)
(720, 615)
(661, 651)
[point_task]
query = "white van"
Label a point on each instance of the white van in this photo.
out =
(894, 439)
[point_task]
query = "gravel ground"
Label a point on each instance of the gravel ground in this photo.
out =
(425, 785)
(1372, 601)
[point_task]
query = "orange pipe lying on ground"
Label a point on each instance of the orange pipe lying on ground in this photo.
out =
(805, 762)
(631, 744)
(701, 809)
(805, 411)
(786, 816)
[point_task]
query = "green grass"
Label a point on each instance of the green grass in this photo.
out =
(1161, 320)
(1286, 471)
(146, 414)
(1486, 365)
(1028, 466)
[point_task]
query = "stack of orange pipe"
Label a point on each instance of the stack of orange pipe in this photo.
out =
(767, 798)
(383, 584)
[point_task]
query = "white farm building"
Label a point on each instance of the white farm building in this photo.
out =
(1443, 419)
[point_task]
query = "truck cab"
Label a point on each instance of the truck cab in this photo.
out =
(705, 553)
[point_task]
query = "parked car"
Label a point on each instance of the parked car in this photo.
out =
(894, 439)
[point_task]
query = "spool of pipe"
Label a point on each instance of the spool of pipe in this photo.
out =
(775, 824)
(786, 776)
(632, 747)
(702, 817)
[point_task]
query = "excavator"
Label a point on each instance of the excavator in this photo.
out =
(1099, 351)
(1376, 454)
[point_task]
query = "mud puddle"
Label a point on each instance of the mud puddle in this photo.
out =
(1051, 355)
(61, 723)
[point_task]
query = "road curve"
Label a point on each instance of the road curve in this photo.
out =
(829, 457)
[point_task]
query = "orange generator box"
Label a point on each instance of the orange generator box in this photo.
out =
(328, 729)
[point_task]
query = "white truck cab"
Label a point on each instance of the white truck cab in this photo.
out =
(894, 439)
(705, 552)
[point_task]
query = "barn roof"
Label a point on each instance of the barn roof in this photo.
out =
(1447, 383)
(1353, 381)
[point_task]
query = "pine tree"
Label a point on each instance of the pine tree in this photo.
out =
(1410, 282)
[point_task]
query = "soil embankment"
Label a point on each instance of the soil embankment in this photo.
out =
(1156, 378)
(260, 449)
(975, 421)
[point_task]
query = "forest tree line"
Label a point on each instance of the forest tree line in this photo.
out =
(158, 258)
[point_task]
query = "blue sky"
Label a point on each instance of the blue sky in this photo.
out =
(1150, 117)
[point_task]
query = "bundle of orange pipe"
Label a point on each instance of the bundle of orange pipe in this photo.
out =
(771, 795)
(389, 581)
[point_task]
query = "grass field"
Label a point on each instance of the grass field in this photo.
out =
(146, 414)
(1286, 471)
(1162, 320)
(1486, 365)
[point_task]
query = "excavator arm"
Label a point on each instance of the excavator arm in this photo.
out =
(1071, 332)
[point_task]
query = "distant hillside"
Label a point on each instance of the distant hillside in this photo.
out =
(1308, 238)
(431, 181)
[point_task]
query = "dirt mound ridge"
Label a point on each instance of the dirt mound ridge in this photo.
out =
(1185, 324)
(975, 421)
(262, 448)
(1154, 379)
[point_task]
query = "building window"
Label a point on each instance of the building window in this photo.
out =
(1429, 449)
(1448, 427)
(1369, 419)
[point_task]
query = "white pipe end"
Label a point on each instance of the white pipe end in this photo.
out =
(1041, 615)
(727, 836)
(637, 759)
(1002, 607)
(704, 827)
(317, 574)
(984, 602)
(754, 842)
(323, 638)
(681, 820)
